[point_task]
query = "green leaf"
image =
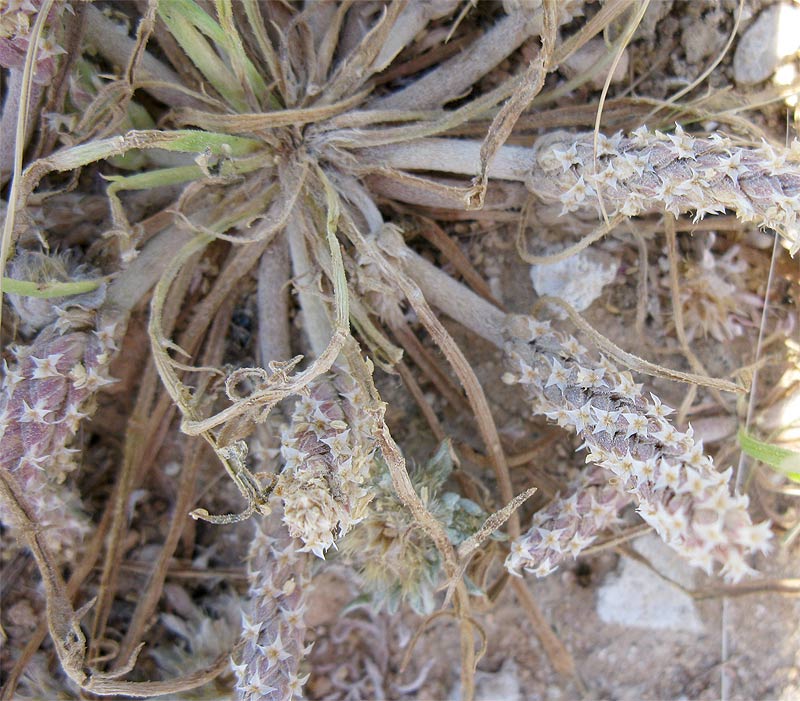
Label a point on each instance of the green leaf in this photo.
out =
(781, 459)
(187, 23)
(26, 288)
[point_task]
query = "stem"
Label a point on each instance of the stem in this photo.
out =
(26, 90)
(451, 156)
(27, 288)
(130, 287)
(412, 20)
(8, 122)
(455, 77)
(117, 48)
(273, 302)
(449, 295)
(316, 322)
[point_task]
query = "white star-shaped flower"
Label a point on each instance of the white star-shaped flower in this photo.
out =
(756, 537)
(295, 684)
(46, 367)
(34, 414)
(576, 195)
(606, 421)
(72, 417)
(566, 158)
(590, 377)
(11, 378)
(250, 630)
(641, 136)
(551, 539)
(637, 425)
(682, 143)
(559, 376)
(275, 652)
(542, 570)
(657, 408)
(238, 669)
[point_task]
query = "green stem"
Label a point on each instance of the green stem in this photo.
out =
(47, 290)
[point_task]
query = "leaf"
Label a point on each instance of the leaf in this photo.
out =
(27, 288)
(783, 460)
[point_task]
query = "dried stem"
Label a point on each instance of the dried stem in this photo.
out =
(454, 77)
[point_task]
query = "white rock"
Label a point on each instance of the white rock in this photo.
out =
(773, 37)
(578, 280)
(637, 597)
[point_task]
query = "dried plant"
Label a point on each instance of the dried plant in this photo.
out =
(396, 561)
(714, 293)
(277, 140)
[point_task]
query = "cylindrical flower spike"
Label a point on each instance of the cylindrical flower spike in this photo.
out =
(47, 389)
(273, 628)
(568, 524)
(674, 483)
(327, 452)
(16, 22)
(675, 172)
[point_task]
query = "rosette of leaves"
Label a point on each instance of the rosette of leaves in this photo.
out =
(397, 561)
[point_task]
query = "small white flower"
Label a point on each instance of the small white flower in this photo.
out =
(667, 434)
(669, 475)
(72, 417)
(295, 684)
(105, 334)
(567, 158)
(239, 670)
(11, 378)
(582, 417)
(708, 207)
(735, 567)
(637, 162)
(250, 630)
(756, 537)
(573, 348)
(657, 409)
(255, 687)
(561, 416)
(543, 569)
(682, 143)
(35, 414)
(634, 204)
(46, 367)
(579, 543)
(559, 376)
(606, 421)
(700, 556)
(731, 167)
(774, 161)
(275, 652)
(606, 178)
(626, 387)
(590, 377)
(576, 195)
(641, 136)
(608, 146)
